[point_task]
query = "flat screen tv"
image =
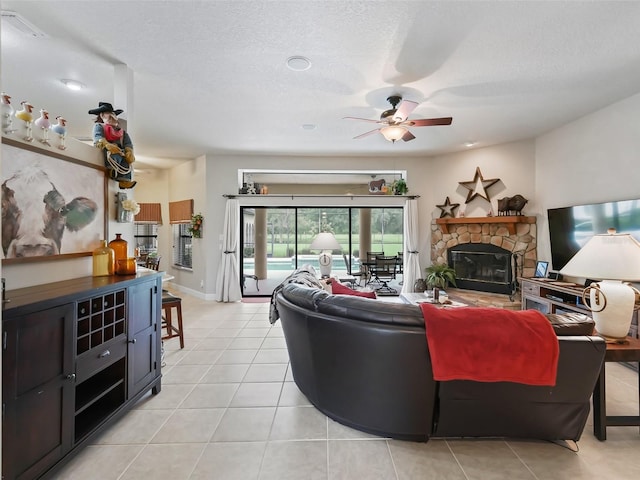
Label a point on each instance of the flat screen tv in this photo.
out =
(571, 227)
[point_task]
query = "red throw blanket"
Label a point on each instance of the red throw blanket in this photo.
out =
(491, 345)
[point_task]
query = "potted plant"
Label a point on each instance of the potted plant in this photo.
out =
(439, 276)
(400, 187)
(195, 229)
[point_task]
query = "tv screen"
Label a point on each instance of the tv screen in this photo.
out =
(571, 227)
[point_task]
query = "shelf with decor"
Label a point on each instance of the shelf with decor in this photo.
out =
(509, 221)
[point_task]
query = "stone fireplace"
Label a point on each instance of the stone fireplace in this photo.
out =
(484, 267)
(488, 254)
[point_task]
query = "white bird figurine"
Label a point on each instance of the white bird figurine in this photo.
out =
(7, 113)
(25, 114)
(60, 129)
(43, 123)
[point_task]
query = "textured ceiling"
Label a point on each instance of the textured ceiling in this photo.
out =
(211, 76)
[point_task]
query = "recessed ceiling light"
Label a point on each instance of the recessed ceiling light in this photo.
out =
(469, 144)
(309, 126)
(298, 63)
(73, 84)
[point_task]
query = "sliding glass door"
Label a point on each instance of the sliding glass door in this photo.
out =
(276, 240)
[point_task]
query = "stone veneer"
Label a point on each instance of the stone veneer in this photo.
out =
(522, 243)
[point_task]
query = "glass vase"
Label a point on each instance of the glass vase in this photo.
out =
(125, 216)
(120, 247)
(104, 260)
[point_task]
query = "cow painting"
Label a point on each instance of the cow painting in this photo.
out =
(35, 214)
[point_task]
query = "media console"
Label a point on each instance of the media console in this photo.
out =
(552, 296)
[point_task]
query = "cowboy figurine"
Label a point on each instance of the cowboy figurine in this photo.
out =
(115, 143)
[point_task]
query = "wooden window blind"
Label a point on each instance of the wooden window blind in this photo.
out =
(180, 212)
(149, 213)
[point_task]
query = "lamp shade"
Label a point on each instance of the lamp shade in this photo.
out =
(325, 241)
(393, 132)
(608, 256)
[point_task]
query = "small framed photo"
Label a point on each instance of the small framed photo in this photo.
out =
(555, 275)
(541, 269)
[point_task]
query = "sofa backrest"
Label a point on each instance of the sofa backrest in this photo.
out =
(571, 324)
(378, 311)
(352, 307)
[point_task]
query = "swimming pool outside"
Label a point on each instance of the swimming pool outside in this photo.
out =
(288, 263)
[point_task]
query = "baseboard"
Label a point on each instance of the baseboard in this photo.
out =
(192, 292)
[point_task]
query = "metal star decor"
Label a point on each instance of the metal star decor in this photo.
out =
(448, 208)
(478, 186)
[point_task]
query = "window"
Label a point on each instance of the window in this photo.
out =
(182, 245)
(180, 218)
(146, 235)
(275, 240)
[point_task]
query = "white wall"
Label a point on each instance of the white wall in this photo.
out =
(189, 181)
(153, 187)
(432, 178)
(593, 159)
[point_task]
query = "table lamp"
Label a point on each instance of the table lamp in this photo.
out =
(326, 243)
(614, 259)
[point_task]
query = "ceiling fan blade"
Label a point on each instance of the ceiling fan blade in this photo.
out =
(403, 110)
(362, 119)
(366, 134)
(428, 122)
(408, 136)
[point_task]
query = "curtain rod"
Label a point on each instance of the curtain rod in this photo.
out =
(293, 195)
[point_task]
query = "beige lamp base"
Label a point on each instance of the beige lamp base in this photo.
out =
(612, 305)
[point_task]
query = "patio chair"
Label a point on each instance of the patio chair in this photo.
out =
(384, 270)
(350, 272)
(370, 265)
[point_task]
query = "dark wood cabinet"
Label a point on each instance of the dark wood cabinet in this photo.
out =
(76, 356)
(37, 390)
(144, 353)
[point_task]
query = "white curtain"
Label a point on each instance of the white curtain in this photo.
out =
(228, 281)
(411, 261)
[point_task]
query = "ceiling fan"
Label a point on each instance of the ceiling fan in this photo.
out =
(395, 120)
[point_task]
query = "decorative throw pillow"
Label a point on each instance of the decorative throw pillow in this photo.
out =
(339, 289)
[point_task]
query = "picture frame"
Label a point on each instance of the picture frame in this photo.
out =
(541, 269)
(61, 203)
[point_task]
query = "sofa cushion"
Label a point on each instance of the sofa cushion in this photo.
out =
(370, 310)
(571, 324)
(338, 288)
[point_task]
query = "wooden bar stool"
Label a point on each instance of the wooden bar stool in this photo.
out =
(170, 301)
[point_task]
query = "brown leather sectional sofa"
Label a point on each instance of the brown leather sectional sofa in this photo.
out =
(365, 363)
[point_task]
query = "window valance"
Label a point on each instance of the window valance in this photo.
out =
(149, 213)
(180, 212)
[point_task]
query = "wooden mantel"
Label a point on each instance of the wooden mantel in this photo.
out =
(509, 221)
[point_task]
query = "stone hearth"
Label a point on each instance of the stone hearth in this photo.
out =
(522, 242)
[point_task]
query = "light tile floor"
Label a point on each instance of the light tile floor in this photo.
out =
(229, 409)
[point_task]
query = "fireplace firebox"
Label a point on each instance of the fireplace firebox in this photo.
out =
(483, 267)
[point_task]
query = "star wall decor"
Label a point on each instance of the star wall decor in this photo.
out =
(448, 208)
(478, 186)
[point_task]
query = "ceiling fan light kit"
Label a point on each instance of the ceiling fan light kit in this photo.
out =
(396, 121)
(393, 132)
